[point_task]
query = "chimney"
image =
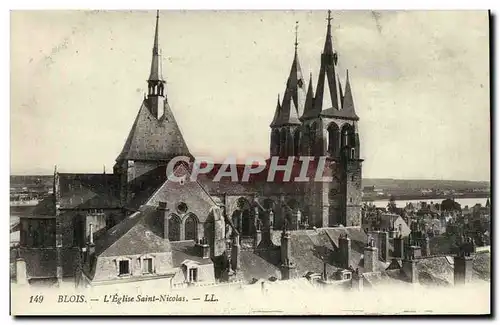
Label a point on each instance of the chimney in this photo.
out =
(163, 215)
(257, 238)
(21, 274)
(398, 247)
(415, 252)
(383, 245)
(267, 228)
(203, 248)
(235, 252)
(357, 281)
(344, 250)
(409, 269)
(462, 271)
(287, 266)
(370, 257)
(298, 216)
(91, 245)
(426, 247)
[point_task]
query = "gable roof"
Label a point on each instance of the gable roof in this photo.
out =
(190, 192)
(137, 234)
(154, 139)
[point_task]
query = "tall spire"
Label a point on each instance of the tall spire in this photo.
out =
(296, 36)
(308, 107)
(348, 109)
(294, 97)
(276, 113)
(329, 90)
(156, 85)
(156, 73)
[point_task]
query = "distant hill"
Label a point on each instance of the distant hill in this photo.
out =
(410, 184)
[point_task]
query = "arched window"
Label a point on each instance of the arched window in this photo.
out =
(275, 143)
(306, 143)
(347, 136)
(191, 228)
(333, 139)
(243, 215)
(174, 228)
(283, 143)
(313, 140)
(296, 142)
(78, 231)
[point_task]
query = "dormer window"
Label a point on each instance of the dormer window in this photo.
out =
(124, 267)
(147, 265)
(193, 275)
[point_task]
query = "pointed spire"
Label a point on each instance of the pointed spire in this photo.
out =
(328, 99)
(155, 44)
(328, 42)
(276, 113)
(156, 73)
(296, 36)
(348, 109)
(309, 105)
(294, 97)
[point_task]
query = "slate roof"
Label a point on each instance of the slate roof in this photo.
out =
(437, 270)
(42, 263)
(292, 106)
(85, 191)
(190, 192)
(481, 266)
(260, 264)
(186, 250)
(153, 139)
(137, 234)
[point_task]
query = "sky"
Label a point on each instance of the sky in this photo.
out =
(420, 81)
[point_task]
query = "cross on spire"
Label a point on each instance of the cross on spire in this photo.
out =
(296, 34)
(329, 17)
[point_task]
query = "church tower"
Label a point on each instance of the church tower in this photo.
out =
(285, 133)
(330, 129)
(154, 139)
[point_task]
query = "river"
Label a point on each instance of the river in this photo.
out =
(402, 203)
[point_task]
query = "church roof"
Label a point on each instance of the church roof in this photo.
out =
(137, 234)
(154, 139)
(84, 191)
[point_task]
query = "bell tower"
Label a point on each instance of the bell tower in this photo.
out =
(156, 84)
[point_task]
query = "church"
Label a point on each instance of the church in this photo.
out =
(136, 224)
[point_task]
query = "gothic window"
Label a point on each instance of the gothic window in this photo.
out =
(275, 142)
(174, 228)
(347, 136)
(333, 139)
(283, 143)
(312, 139)
(190, 228)
(296, 142)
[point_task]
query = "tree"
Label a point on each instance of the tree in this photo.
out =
(391, 206)
(450, 205)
